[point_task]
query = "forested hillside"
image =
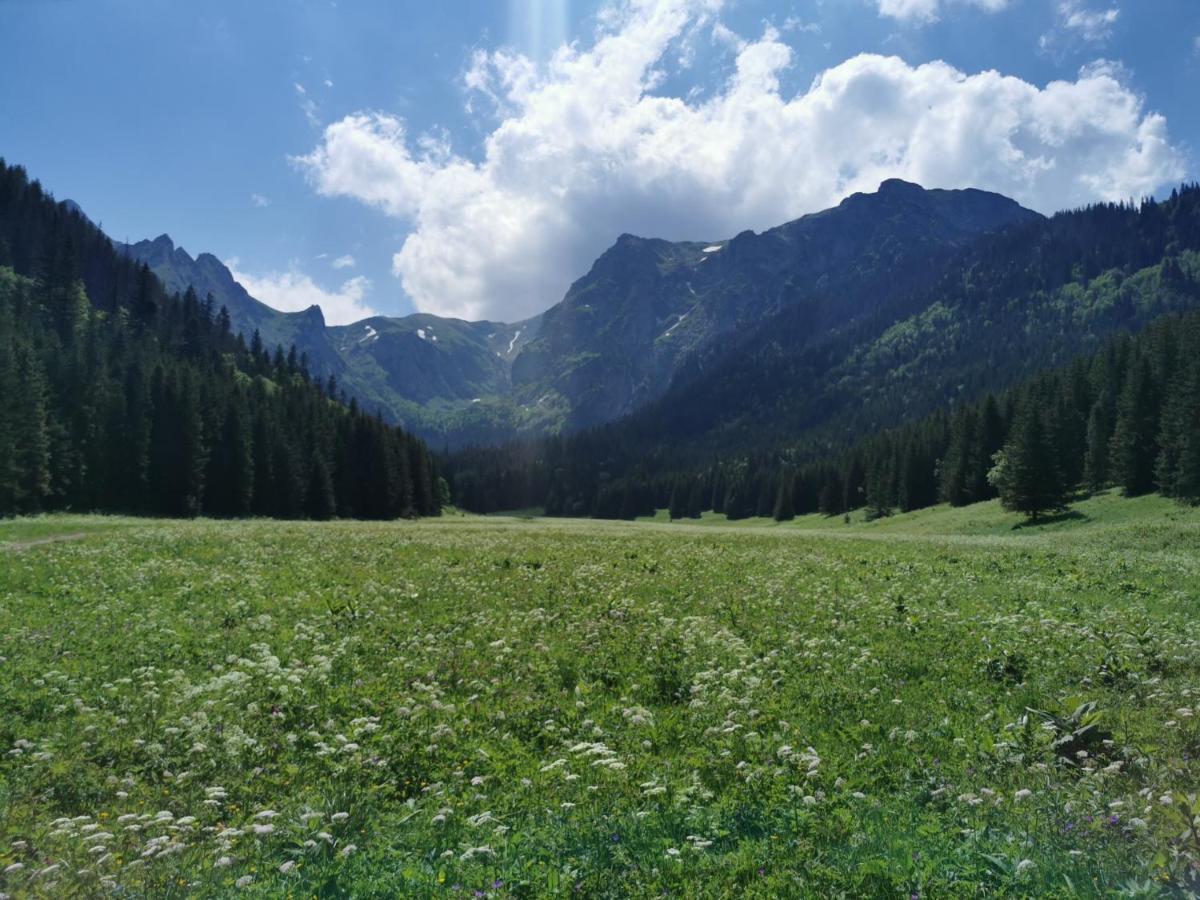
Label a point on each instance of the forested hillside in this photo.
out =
(627, 329)
(1031, 298)
(118, 396)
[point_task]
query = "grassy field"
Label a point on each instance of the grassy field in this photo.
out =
(934, 705)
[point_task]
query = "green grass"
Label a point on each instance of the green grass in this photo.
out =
(40, 528)
(525, 707)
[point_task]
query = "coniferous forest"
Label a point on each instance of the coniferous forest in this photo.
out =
(1126, 417)
(118, 397)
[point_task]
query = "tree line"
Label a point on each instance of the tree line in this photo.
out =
(120, 397)
(1126, 417)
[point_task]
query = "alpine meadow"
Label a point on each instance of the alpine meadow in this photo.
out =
(601, 449)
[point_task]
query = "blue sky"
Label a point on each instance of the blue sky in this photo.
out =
(385, 156)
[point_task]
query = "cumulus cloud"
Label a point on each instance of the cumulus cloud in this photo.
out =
(921, 11)
(589, 146)
(293, 291)
(260, 200)
(343, 262)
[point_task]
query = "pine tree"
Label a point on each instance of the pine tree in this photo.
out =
(879, 493)
(1099, 435)
(1134, 445)
(320, 503)
(785, 509)
(854, 484)
(695, 503)
(1027, 474)
(31, 431)
(9, 472)
(1178, 466)
(677, 505)
(958, 476)
(989, 440)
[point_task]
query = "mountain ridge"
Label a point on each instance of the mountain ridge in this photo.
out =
(624, 330)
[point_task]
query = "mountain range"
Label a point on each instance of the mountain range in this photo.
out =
(642, 321)
(742, 361)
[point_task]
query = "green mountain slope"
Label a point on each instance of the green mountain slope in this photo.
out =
(625, 329)
(782, 394)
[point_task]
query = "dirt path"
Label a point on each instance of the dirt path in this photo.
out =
(18, 546)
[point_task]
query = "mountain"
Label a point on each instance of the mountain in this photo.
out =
(446, 379)
(207, 275)
(784, 392)
(1028, 297)
(450, 379)
(625, 330)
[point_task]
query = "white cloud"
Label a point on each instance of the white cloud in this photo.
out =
(293, 291)
(343, 262)
(1196, 45)
(795, 23)
(923, 11)
(307, 105)
(260, 200)
(585, 148)
(1076, 19)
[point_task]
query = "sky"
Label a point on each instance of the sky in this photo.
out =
(471, 158)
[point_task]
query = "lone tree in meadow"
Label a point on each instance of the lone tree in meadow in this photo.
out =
(1027, 473)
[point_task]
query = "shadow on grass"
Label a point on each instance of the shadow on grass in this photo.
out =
(1066, 515)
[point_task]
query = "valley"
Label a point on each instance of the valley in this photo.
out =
(533, 707)
(627, 449)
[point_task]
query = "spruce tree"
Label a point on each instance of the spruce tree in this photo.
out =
(1027, 474)
(31, 433)
(1099, 435)
(320, 503)
(1134, 445)
(879, 495)
(785, 509)
(1178, 466)
(958, 469)
(677, 505)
